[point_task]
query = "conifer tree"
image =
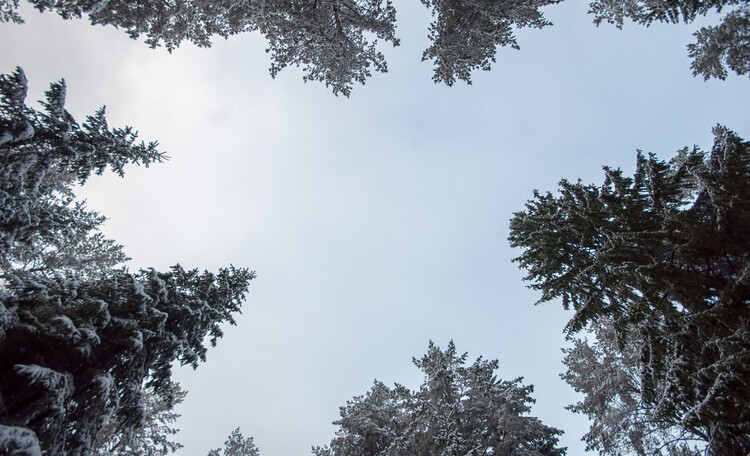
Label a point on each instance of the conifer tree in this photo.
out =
(459, 410)
(236, 445)
(607, 370)
(716, 47)
(329, 39)
(90, 347)
(466, 33)
(665, 254)
(44, 155)
(722, 46)
(336, 41)
(81, 338)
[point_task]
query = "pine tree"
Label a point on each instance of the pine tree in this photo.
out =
(716, 47)
(664, 253)
(459, 410)
(236, 445)
(722, 46)
(81, 339)
(44, 155)
(331, 39)
(328, 39)
(608, 371)
(466, 33)
(91, 347)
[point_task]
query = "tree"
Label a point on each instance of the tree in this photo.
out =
(18, 441)
(153, 439)
(726, 45)
(608, 371)
(327, 38)
(458, 410)
(466, 33)
(716, 47)
(665, 254)
(330, 39)
(91, 347)
(81, 339)
(44, 154)
(236, 445)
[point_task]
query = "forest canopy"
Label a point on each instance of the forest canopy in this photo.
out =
(337, 42)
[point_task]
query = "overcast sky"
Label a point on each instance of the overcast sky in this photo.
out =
(375, 223)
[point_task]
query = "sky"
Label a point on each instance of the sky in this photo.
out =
(375, 223)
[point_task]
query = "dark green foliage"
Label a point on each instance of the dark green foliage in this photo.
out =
(80, 340)
(331, 39)
(8, 11)
(666, 254)
(163, 23)
(608, 372)
(459, 410)
(646, 12)
(88, 347)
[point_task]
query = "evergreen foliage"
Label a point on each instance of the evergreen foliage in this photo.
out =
(663, 254)
(80, 339)
(608, 372)
(236, 445)
(336, 41)
(722, 46)
(466, 33)
(329, 39)
(44, 155)
(153, 439)
(90, 347)
(459, 410)
(716, 48)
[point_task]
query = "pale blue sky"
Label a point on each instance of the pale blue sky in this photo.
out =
(375, 223)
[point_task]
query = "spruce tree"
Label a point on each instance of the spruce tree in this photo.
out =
(466, 33)
(236, 445)
(82, 340)
(45, 154)
(336, 41)
(458, 410)
(608, 369)
(665, 254)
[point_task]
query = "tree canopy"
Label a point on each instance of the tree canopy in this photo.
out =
(608, 371)
(337, 41)
(459, 410)
(716, 47)
(236, 445)
(330, 39)
(466, 33)
(81, 337)
(664, 254)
